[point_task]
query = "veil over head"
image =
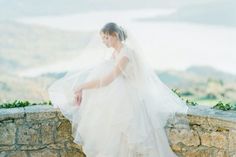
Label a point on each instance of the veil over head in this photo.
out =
(157, 99)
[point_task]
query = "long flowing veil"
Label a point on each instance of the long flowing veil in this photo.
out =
(154, 98)
(158, 99)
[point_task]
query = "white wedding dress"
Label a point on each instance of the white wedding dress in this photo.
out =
(118, 120)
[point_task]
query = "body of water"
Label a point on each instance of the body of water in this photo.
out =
(167, 45)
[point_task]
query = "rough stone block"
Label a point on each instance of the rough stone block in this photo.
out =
(7, 133)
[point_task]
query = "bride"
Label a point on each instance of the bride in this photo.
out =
(118, 107)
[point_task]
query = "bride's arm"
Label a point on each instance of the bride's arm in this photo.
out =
(107, 79)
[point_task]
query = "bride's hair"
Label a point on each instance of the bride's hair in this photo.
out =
(112, 28)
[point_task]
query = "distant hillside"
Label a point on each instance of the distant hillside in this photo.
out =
(203, 84)
(13, 87)
(210, 72)
(194, 75)
(191, 83)
(181, 79)
(219, 12)
(23, 45)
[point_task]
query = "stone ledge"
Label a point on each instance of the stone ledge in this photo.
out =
(42, 130)
(36, 131)
(212, 133)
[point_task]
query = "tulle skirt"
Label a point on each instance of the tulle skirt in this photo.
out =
(112, 121)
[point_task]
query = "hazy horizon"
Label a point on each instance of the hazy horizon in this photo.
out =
(200, 44)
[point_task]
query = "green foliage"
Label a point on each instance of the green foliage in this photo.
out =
(224, 106)
(220, 105)
(188, 102)
(20, 103)
(192, 103)
(176, 92)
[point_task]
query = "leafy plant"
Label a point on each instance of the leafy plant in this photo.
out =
(176, 92)
(188, 102)
(21, 103)
(224, 106)
(192, 103)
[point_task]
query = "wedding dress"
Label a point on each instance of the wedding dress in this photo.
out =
(123, 119)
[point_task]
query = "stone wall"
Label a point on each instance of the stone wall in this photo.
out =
(41, 130)
(36, 131)
(212, 133)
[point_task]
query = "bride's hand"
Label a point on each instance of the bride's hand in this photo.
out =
(78, 96)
